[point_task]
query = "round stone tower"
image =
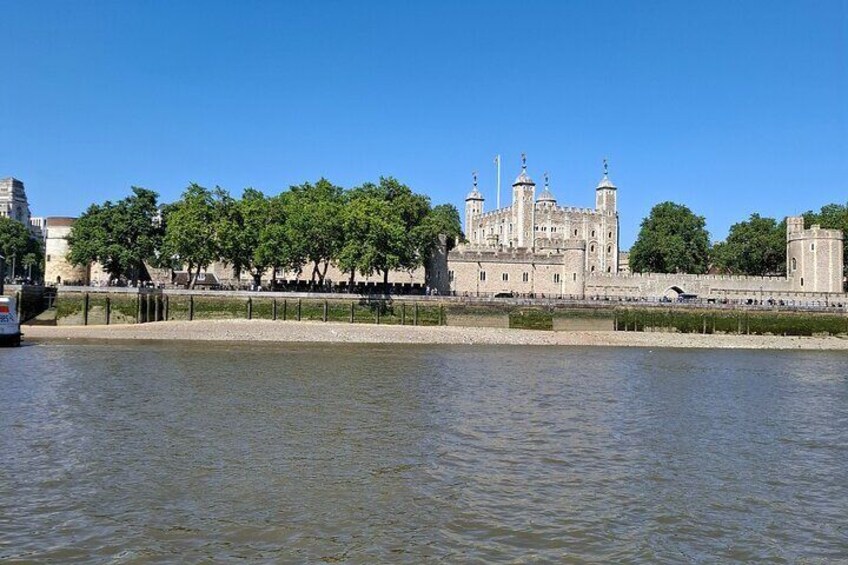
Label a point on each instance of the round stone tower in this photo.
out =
(473, 211)
(574, 268)
(814, 259)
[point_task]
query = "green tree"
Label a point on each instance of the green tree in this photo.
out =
(672, 239)
(120, 236)
(441, 221)
(18, 246)
(834, 217)
(314, 225)
(191, 231)
(755, 247)
(240, 224)
(274, 248)
(395, 235)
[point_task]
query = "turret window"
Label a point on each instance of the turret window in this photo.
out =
(556, 277)
(593, 233)
(482, 276)
(794, 264)
(525, 277)
(812, 247)
(575, 232)
(505, 277)
(592, 247)
(609, 236)
(609, 248)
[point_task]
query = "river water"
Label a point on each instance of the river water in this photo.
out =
(136, 453)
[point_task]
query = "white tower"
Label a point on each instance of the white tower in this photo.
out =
(473, 211)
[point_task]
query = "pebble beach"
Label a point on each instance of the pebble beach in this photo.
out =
(329, 332)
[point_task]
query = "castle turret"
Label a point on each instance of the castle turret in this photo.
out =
(523, 205)
(814, 257)
(605, 194)
(473, 211)
(574, 268)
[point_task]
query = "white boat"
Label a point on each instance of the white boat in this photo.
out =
(10, 326)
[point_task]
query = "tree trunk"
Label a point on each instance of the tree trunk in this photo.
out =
(324, 271)
(351, 280)
(386, 278)
(194, 279)
(314, 271)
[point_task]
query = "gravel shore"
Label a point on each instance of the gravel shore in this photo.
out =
(319, 332)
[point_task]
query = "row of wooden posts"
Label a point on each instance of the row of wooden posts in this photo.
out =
(158, 309)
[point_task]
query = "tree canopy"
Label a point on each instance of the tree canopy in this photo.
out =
(756, 247)
(19, 248)
(120, 236)
(672, 239)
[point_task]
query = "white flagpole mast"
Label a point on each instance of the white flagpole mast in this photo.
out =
(498, 161)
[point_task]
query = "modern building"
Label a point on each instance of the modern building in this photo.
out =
(14, 204)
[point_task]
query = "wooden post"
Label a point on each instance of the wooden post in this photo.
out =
(415, 315)
(157, 308)
(19, 304)
(403, 314)
(190, 307)
(249, 307)
(274, 310)
(326, 306)
(285, 309)
(441, 314)
(146, 307)
(352, 312)
(84, 309)
(378, 313)
(108, 309)
(167, 313)
(704, 320)
(299, 306)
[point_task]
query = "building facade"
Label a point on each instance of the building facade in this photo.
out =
(535, 247)
(14, 205)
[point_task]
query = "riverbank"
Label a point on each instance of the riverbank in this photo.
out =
(329, 332)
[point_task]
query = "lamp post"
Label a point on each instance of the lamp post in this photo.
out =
(2, 273)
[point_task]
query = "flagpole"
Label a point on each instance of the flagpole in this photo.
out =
(498, 161)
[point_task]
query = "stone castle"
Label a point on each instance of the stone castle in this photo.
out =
(535, 247)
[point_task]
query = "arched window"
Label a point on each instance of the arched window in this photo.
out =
(593, 268)
(794, 264)
(609, 248)
(593, 233)
(592, 248)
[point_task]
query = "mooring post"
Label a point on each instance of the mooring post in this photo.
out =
(167, 313)
(190, 307)
(19, 307)
(285, 309)
(299, 308)
(441, 314)
(378, 312)
(274, 309)
(415, 315)
(352, 312)
(403, 314)
(84, 309)
(108, 310)
(326, 306)
(249, 307)
(157, 308)
(146, 308)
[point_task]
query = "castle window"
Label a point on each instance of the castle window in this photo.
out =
(575, 232)
(593, 233)
(609, 269)
(505, 277)
(525, 277)
(575, 277)
(556, 277)
(553, 229)
(48, 257)
(802, 281)
(794, 264)
(592, 247)
(450, 275)
(610, 235)
(812, 247)
(593, 268)
(609, 248)
(483, 276)
(510, 228)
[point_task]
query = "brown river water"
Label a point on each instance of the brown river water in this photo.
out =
(171, 452)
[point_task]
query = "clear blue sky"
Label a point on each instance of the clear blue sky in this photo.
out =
(728, 107)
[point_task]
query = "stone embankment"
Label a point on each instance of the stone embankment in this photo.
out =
(329, 332)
